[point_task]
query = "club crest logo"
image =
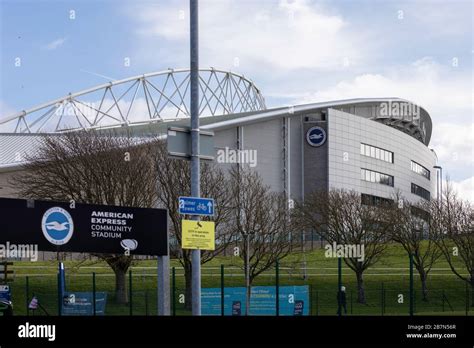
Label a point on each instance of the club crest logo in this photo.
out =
(316, 136)
(57, 226)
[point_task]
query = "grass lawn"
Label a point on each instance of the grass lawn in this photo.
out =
(386, 284)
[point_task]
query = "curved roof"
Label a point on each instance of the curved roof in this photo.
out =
(390, 111)
(147, 98)
(17, 147)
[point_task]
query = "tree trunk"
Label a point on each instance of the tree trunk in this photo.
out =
(120, 265)
(188, 282)
(120, 286)
(424, 288)
(360, 288)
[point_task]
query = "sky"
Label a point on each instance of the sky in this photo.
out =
(295, 51)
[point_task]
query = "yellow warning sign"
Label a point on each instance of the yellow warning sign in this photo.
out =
(198, 235)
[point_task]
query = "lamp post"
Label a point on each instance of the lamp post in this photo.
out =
(195, 163)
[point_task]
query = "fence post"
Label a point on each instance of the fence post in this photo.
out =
(222, 290)
(59, 294)
(382, 300)
(351, 302)
(414, 301)
(339, 285)
(130, 291)
(27, 290)
(411, 286)
(442, 301)
(317, 302)
(146, 302)
(277, 284)
(173, 286)
(93, 293)
(467, 299)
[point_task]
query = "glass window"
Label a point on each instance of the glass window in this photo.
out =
(367, 175)
(419, 169)
(377, 177)
(376, 152)
(420, 191)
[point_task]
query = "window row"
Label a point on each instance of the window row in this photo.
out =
(372, 176)
(419, 169)
(374, 200)
(420, 191)
(376, 152)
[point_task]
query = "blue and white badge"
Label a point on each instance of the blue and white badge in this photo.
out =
(57, 225)
(316, 136)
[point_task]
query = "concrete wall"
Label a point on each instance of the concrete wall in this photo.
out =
(7, 189)
(347, 131)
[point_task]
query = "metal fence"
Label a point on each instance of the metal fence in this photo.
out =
(387, 289)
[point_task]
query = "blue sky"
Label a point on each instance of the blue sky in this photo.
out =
(295, 51)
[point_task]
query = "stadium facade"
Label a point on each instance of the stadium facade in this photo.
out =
(375, 146)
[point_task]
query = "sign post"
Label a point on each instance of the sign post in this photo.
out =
(198, 235)
(195, 162)
(196, 206)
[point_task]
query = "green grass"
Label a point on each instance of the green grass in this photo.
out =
(391, 274)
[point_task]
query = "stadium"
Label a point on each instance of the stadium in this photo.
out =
(375, 146)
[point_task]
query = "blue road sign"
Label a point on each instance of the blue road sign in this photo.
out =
(196, 206)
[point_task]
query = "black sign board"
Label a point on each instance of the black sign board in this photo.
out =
(60, 226)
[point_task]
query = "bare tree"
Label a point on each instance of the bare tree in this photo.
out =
(340, 217)
(453, 221)
(260, 222)
(411, 231)
(174, 181)
(93, 168)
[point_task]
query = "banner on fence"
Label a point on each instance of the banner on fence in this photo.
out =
(293, 300)
(81, 303)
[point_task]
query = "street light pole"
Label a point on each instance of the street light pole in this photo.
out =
(195, 164)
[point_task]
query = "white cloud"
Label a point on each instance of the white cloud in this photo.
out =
(438, 88)
(290, 35)
(454, 146)
(54, 44)
(464, 188)
(445, 93)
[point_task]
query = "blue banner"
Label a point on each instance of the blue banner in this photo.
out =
(293, 300)
(234, 301)
(80, 303)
